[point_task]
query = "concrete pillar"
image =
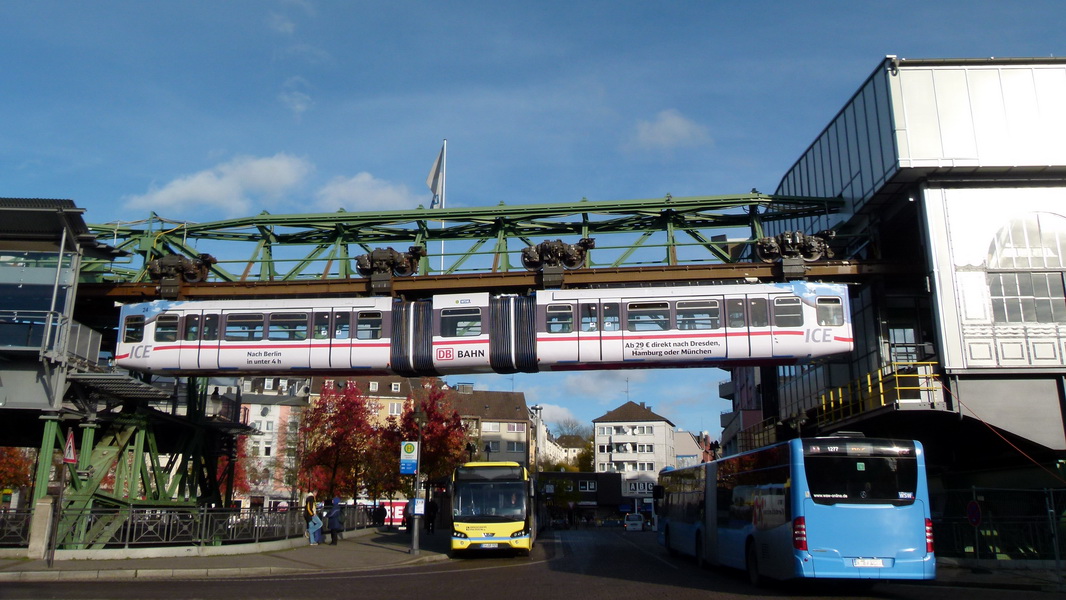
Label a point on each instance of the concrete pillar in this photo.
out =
(40, 528)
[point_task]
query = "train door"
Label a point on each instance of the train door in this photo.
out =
(321, 342)
(589, 331)
(760, 338)
(199, 341)
(189, 341)
(736, 329)
(612, 342)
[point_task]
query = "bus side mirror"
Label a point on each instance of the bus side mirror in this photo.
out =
(657, 492)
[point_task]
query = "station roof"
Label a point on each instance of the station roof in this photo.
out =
(40, 224)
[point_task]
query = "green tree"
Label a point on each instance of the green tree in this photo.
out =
(586, 457)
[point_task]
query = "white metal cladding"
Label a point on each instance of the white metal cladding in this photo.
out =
(929, 116)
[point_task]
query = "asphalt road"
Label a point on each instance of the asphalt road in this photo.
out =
(585, 564)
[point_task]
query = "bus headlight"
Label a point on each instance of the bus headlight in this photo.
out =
(520, 533)
(458, 534)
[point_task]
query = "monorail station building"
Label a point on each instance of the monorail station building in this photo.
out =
(952, 181)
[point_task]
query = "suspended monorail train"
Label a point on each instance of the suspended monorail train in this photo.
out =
(547, 330)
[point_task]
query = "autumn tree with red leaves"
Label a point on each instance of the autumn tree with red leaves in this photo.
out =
(16, 468)
(336, 435)
(443, 434)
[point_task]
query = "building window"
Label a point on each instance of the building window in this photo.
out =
(396, 386)
(586, 485)
(492, 446)
(620, 430)
(490, 426)
(266, 449)
(1027, 297)
(516, 427)
(395, 409)
(604, 448)
(373, 386)
(516, 446)
(646, 466)
(645, 448)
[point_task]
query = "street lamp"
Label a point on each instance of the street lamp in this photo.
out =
(538, 424)
(488, 451)
(420, 421)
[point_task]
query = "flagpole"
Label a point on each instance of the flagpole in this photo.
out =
(443, 192)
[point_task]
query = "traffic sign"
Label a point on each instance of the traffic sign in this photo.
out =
(973, 513)
(70, 457)
(408, 458)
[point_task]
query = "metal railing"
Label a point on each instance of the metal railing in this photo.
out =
(15, 528)
(104, 528)
(1000, 524)
(899, 383)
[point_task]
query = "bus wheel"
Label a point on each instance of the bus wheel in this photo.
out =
(669, 547)
(752, 562)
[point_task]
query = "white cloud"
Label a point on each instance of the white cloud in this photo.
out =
(553, 413)
(667, 131)
(364, 192)
(238, 187)
(295, 95)
(602, 385)
(281, 23)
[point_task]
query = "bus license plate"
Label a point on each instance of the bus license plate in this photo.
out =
(491, 546)
(869, 562)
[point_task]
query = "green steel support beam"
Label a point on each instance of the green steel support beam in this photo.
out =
(268, 241)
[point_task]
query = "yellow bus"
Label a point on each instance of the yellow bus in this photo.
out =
(492, 508)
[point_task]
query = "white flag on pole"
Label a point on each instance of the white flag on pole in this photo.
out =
(435, 181)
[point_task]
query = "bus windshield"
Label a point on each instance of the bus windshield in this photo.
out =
(490, 500)
(860, 472)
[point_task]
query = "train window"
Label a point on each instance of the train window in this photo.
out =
(166, 328)
(210, 332)
(648, 316)
(321, 326)
(368, 325)
(734, 310)
(830, 312)
(460, 322)
(788, 312)
(244, 327)
(590, 320)
(698, 314)
(133, 329)
(287, 326)
(758, 313)
(560, 319)
(191, 331)
(611, 319)
(342, 325)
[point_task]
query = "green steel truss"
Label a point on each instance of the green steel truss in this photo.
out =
(661, 231)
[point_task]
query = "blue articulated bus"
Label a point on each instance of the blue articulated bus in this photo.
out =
(832, 507)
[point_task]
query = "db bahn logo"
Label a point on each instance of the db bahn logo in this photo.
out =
(445, 353)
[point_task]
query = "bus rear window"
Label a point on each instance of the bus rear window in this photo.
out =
(866, 476)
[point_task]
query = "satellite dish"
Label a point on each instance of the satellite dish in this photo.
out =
(265, 411)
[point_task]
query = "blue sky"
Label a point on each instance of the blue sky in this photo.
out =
(201, 110)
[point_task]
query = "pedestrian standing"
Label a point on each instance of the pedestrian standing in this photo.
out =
(431, 516)
(335, 521)
(314, 523)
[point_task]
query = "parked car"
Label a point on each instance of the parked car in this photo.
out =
(634, 522)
